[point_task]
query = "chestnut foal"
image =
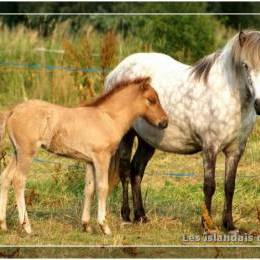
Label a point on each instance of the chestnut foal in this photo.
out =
(91, 133)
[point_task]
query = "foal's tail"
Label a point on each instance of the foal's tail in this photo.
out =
(3, 119)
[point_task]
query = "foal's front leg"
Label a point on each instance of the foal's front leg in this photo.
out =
(101, 163)
(89, 191)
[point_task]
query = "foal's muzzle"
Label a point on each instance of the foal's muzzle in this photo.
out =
(163, 124)
(257, 106)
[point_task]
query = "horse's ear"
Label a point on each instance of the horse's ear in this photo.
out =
(242, 38)
(145, 83)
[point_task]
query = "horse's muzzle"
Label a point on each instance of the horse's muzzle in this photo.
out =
(257, 106)
(163, 124)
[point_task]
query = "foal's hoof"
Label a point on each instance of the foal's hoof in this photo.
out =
(24, 231)
(87, 228)
(141, 220)
(105, 229)
(27, 228)
(3, 226)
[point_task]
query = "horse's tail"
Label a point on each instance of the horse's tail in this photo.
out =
(113, 173)
(121, 161)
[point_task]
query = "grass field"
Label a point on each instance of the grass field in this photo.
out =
(54, 191)
(55, 195)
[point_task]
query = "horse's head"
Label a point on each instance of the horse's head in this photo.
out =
(248, 59)
(151, 108)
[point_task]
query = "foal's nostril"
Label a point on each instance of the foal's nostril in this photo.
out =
(163, 124)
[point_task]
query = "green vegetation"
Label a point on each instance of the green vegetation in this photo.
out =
(55, 190)
(34, 66)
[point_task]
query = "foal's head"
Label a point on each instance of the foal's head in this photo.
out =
(149, 103)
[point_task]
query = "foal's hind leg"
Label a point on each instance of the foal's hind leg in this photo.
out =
(142, 156)
(89, 191)
(231, 163)
(6, 178)
(19, 180)
(125, 151)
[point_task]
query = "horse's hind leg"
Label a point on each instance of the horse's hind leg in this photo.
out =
(89, 191)
(142, 156)
(125, 151)
(231, 163)
(6, 178)
(209, 163)
(19, 180)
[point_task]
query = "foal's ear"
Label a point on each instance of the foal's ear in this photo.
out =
(242, 38)
(145, 83)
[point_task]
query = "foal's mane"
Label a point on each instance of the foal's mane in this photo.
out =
(250, 50)
(116, 88)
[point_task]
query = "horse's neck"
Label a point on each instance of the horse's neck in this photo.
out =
(224, 77)
(223, 71)
(121, 107)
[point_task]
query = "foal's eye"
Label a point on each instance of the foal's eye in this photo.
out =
(151, 101)
(245, 66)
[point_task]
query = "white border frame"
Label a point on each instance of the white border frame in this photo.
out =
(213, 245)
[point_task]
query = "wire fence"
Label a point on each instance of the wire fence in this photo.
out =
(74, 167)
(50, 67)
(87, 70)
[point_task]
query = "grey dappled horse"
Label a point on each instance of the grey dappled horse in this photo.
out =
(211, 107)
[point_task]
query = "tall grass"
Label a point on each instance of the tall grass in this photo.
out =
(86, 49)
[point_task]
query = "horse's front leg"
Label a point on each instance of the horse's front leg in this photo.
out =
(142, 156)
(125, 151)
(231, 163)
(209, 163)
(101, 163)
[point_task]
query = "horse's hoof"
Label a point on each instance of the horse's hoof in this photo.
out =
(141, 220)
(105, 229)
(126, 219)
(207, 232)
(125, 214)
(87, 228)
(234, 232)
(126, 223)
